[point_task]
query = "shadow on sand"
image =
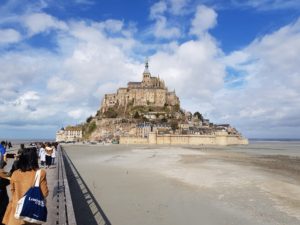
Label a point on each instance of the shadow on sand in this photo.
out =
(86, 208)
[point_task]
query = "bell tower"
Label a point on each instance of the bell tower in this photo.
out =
(146, 73)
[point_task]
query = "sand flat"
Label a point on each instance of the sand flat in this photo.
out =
(184, 185)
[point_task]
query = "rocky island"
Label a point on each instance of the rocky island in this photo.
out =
(147, 112)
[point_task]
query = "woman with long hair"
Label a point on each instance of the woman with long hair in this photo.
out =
(21, 180)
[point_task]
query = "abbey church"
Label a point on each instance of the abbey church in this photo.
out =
(151, 91)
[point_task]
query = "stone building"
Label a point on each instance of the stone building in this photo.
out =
(70, 133)
(143, 129)
(151, 91)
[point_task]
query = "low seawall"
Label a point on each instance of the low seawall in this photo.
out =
(172, 139)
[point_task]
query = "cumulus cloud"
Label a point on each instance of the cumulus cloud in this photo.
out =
(205, 19)
(70, 82)
(161, 28)
(9, 36)
(158, 9)
(267, 4)
(89, 63)
(178, 7)
(41, 22)
(193, 69)
(269, 97)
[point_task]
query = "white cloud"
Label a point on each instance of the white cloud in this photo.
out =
(270, 95)
(267, 4)
(9, 36)
(41, 22)
(158, 9)
(113, 26)
(90, 63)
(178, 7)
(162, 28)
(205, 19)
(85, 2)
(78, 113)
(33, 68)
(194, 69)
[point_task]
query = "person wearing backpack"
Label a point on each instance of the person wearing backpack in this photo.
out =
(21, 181)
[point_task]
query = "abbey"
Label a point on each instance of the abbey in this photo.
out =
(151, 91)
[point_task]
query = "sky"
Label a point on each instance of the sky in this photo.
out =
(234, 61)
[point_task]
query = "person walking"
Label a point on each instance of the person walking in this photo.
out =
(21, 180)
(42, 155)
(4, 181)
(49, 151)
(53, 155)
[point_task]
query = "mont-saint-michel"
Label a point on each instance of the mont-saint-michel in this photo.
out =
(146, 112)
(158, 142)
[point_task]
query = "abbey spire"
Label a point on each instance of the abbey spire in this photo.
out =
(146, 71)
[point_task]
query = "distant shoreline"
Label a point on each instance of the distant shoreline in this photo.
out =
(274, 139)
(25, 141)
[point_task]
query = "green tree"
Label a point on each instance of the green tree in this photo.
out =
(89, 119)
(174, 125)
(92, 127)
(199, 116)
(111, 113)
(136, 115)
(176, 107)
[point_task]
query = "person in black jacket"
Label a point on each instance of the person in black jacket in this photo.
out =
(3, 192)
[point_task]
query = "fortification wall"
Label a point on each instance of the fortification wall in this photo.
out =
(133, 140)
(169, 139)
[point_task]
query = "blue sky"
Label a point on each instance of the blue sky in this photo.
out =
(235, 61)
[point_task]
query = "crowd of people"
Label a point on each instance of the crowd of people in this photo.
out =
(21, 176)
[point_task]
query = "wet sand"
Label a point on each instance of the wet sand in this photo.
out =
(192, 185)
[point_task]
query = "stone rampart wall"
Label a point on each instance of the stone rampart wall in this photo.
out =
(186, 140)
(133, 140)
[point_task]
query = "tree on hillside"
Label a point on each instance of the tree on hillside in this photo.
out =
(136, 115)
(89, 119)
(111, 113)
(199, 116)
(176, 107)
(174, 125)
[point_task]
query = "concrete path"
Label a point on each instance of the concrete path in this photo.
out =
(59, 202)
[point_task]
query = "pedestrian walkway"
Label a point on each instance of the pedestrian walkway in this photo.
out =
(83, 210)
(59, 202)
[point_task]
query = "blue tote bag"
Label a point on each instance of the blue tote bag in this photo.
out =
(32, 206)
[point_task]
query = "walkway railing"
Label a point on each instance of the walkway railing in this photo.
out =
(59, 202)
(65, 211)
